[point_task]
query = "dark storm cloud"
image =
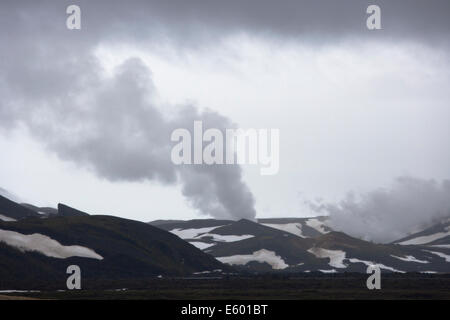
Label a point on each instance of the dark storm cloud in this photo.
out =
(386, 215)
(190, 21)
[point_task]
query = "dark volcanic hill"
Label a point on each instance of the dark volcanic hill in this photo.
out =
(13, 210)
(36, 252)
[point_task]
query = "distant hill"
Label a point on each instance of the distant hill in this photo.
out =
(302, 245)
(43, 211)
(66, 211)
(437, 236)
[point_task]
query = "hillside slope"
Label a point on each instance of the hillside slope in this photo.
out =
(37, 251)
(287, 245)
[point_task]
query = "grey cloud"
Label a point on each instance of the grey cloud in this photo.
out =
(49, 79)
(188, 22)
(51, 83)
(5, 193)
(300, 20)
(386, 215)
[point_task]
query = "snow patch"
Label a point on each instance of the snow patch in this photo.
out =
(7, 219)
(294, 228)
(199, 233)
(336, 256)
(370, 263)
(427, 239)
(316, 224)
(262, 256)
(207, 272)
(440, 254)
(355, 260)
(328, 271)
(45, 245)
(410, 259)
(191, 233)
(202, 245)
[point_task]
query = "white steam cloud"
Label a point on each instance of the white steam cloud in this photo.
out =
(114, 126)
(53, 85)
(386, 215)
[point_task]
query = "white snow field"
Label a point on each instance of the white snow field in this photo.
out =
(427, 239)
(262, 256)
(370, 263)
(45, 245)
(316, 224)
(200, 233)
(208, 271)
(192, 233)
(440, 254)
(410, 259)
(202, 245)
(294, 228)
(336, 256)
(328, 271)
(7, 219)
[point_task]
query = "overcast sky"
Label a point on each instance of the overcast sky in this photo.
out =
(86, 115)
